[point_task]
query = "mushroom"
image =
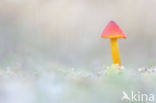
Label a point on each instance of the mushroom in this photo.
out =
(114, 32)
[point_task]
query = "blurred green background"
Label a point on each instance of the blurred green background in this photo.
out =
(67, 32)
(51, 51)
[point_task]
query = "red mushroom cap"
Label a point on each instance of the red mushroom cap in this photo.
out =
(112, 30)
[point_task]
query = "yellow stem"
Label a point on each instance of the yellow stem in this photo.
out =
(115, 51)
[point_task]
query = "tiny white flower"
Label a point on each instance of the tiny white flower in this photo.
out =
(122, 68)
(140, 69)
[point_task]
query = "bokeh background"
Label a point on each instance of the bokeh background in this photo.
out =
(68, 31)
(41, 39)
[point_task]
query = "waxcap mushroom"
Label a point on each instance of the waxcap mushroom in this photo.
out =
(113, 31)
